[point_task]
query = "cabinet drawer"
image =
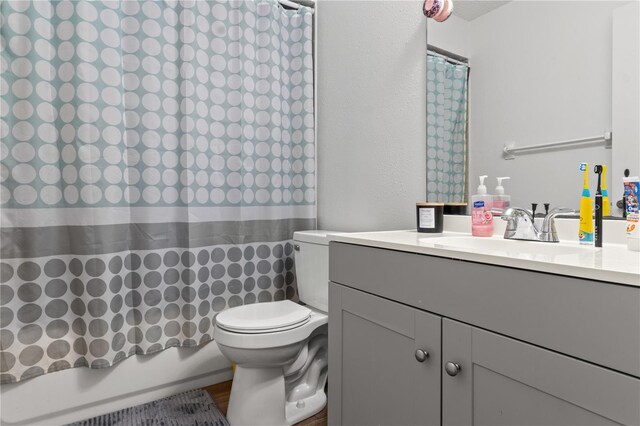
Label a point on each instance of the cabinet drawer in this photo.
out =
(591, 320)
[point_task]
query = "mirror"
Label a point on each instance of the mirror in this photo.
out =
(552, 77)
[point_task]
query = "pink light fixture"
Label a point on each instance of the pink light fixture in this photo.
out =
(439, 10)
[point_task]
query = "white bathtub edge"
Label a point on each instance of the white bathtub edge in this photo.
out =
(80, 393)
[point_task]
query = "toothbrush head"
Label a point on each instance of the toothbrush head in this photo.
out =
(597, 169)
(583, 167)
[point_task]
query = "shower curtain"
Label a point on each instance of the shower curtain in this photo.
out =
(156, 158)
(446, 130)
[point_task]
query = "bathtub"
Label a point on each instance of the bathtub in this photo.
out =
(79, 393)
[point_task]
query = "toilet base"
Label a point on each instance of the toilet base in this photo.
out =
(305, 408)
(277, 385)
(257, 397)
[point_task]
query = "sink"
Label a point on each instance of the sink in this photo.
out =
(512, 248)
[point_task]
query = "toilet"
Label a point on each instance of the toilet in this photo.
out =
(280, 348)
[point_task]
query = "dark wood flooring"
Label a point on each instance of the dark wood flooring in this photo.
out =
(220, 394)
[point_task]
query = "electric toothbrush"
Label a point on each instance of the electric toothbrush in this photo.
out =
(599, 208)
(585, 233)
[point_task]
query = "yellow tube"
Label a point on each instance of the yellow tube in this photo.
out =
(585, 233)
(606, 206)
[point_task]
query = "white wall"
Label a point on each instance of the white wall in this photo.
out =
(371, 117)
(540, 78)
(626, 94)
(451, 35)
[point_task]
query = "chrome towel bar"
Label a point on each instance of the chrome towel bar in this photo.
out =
(509, 151)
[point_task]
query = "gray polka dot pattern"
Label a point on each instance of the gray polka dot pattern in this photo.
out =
(119, 304)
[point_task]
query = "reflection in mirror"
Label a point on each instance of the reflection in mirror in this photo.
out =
(539, 72)
(447, 78)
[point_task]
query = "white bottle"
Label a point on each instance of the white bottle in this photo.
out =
(501, 201)
(481, 217)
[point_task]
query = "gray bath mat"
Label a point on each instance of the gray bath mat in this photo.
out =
(193, 408)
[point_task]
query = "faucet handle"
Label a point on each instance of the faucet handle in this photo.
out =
(520, 224)
(513, 212)
(546, 208)
(534, 206)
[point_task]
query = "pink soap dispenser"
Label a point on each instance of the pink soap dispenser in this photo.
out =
(481, 216)
(501, 201)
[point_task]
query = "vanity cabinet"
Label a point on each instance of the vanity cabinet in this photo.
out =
(494, 380)
(505, 346)
(386, 357)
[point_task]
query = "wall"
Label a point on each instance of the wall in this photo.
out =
(626, 93)
(371, 114)
(538, 79)
(451, 35)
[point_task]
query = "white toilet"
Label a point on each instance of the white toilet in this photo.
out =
(280, 348)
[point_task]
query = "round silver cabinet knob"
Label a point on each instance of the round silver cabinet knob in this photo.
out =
(421, 355)
(452, 368)
(296, 247)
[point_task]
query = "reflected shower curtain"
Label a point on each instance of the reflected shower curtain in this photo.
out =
(446, 130)
(156, 158)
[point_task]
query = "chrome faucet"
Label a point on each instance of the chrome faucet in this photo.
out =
(548, 232)
(521, 224)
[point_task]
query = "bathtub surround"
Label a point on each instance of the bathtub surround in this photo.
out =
(156, 160)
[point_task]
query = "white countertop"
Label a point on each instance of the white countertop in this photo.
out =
(612, 263)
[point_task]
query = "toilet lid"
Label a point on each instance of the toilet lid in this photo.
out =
(264, 317)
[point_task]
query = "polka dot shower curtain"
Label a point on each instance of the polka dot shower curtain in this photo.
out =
(156, 158)
(446, 130)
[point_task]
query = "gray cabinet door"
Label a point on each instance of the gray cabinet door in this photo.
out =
(374, 376)
(507, 382)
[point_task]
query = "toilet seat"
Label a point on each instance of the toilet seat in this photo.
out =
(270, 338)
(269, 317)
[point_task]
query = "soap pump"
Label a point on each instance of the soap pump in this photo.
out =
(500, 200)
(481, 216)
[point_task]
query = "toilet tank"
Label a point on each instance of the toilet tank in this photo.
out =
(312, 267)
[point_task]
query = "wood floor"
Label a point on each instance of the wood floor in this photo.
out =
(220, 394)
